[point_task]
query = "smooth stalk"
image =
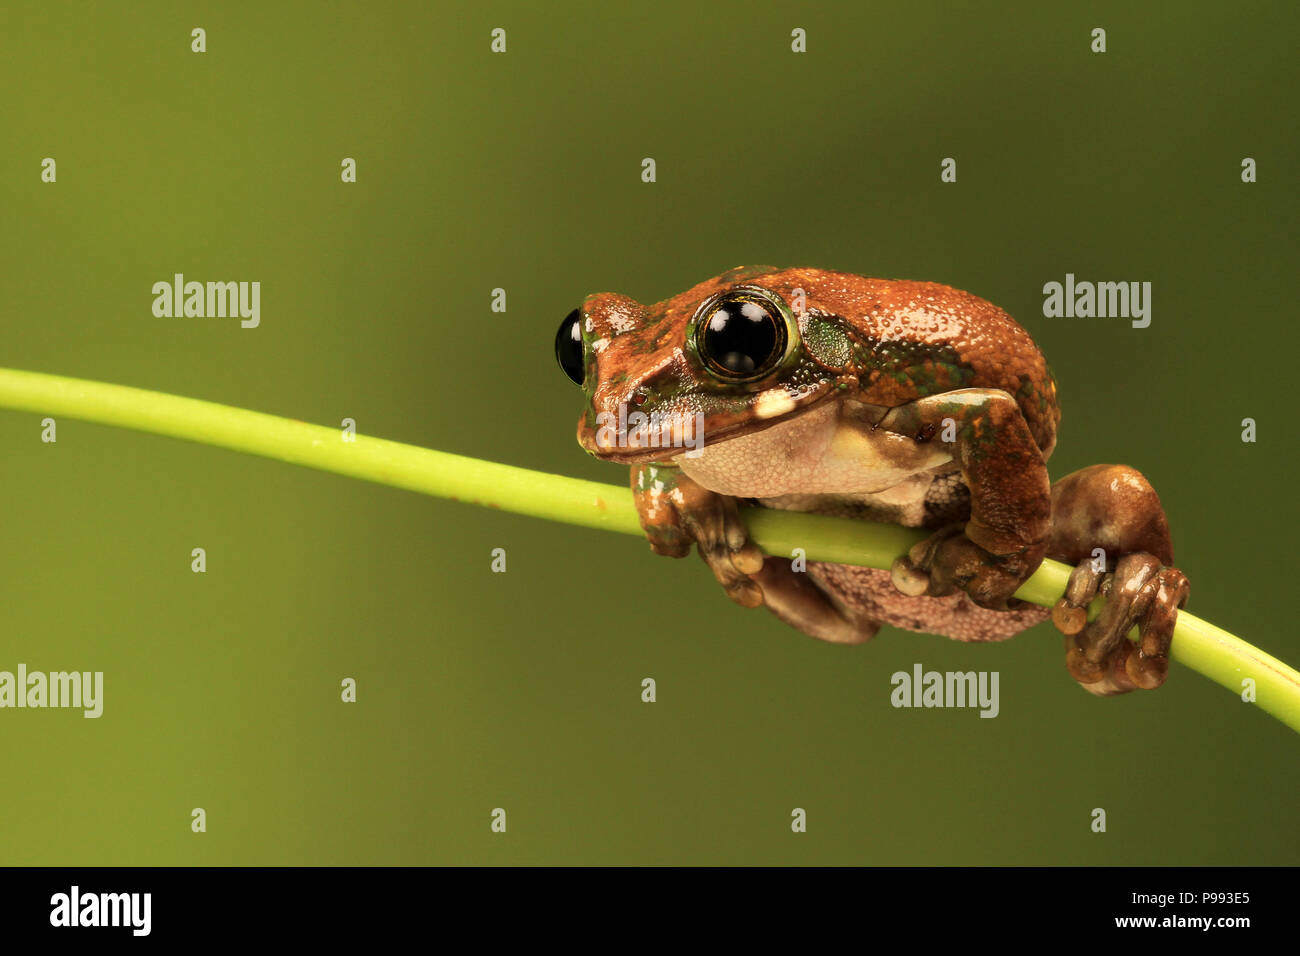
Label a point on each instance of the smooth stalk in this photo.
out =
(1209, 650)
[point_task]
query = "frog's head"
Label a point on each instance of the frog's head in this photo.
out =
(730, 356)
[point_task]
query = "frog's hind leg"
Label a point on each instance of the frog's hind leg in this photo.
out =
(798, 601)
(1114, 508)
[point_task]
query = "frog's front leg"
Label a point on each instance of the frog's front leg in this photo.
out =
(1114, 508)
(1005, 538)
(676, 511)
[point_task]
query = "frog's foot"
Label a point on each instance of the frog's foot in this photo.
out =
(1140, 591)
(723, 542)
(675, 511)
(1112, 510)
(798, 600)
(948, 562)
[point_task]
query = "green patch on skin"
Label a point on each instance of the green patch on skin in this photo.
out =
(974, 434)
(934, 375)
(1029, 394)
(982, 440)
(929, 369)
(644, 345)
(827, 343)
(674, 390)
(725, 404)
(666, 475)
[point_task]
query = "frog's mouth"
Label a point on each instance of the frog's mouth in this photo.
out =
(625, 438)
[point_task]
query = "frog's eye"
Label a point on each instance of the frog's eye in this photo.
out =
(568, 346)
(741, 336)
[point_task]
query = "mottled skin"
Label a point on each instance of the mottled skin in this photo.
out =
(898, 401)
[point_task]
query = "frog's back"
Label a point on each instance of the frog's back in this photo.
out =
(914, 339)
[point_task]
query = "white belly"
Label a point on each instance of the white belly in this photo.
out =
(830, 450)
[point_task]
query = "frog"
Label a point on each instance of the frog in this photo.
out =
(905, 402)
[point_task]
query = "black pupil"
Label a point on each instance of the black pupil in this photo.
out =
(740, 336)
(568, 346)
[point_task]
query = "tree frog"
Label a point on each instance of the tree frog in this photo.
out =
(884, 400)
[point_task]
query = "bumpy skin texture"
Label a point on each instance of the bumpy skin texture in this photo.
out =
(909, 402)
(905, 340)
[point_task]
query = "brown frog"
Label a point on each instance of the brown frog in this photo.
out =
(896, 401)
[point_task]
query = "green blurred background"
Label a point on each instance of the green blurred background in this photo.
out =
(522, 171)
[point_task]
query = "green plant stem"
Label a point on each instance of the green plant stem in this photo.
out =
(1211, 651)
